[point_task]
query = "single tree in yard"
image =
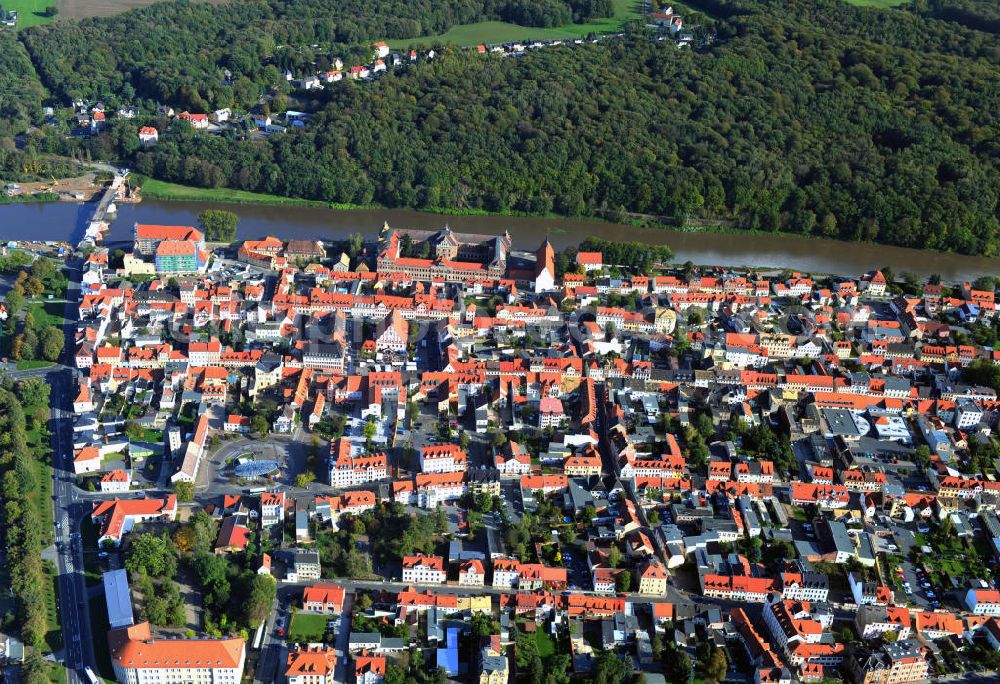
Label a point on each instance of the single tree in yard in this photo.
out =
(715, 665)
(676, 664)
(184, 491)
(368, 431)
(615, 557)
(151, 554)
(259, 425)
(51, 343)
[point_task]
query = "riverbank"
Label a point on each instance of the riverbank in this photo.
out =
(719, 246)
(154, 189)
(173, 192)
(36, 198)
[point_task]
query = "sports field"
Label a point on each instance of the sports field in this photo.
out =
(492, 32)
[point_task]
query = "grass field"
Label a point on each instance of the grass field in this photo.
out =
(545, 645)
(491, 32)
(161, 190)
(307, 628)
(57, 673)
(78, 9)
(880, 4)
(29, 12)
(33, 365)
(46, 313)
(41, 496)
(54, 637)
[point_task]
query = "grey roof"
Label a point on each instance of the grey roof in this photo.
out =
(118, 598)
(303, 556)
(494, 663)
(365, 638)
(839, 537)
(841, 422)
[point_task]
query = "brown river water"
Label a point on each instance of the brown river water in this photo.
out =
(65, 221)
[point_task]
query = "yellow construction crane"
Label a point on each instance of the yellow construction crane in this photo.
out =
(55, 183)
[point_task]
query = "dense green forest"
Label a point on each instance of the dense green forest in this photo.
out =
(977, 14)
(809, 117)
(176, 52)
(21, 93)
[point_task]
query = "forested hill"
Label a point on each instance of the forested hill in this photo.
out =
(175, 51)
(805, 116)
(20, 91)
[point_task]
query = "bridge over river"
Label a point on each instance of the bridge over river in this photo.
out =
(99, 222)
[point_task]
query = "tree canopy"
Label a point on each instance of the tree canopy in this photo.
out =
(218, 225)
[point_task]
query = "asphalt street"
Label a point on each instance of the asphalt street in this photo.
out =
(69, 506)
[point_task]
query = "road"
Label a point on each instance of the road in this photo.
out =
(271, 647)
(69, 509)
(69, 504)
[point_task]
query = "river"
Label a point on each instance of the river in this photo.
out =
(63, 221)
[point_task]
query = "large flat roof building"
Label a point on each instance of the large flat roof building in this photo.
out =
(138, 658)
(118, 598)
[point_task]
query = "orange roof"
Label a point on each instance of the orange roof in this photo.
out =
(134, 648)
(411, 597)
(176, 248)
(928, 621)
(272, 498)
(472, 565)
(452, 451)
(232, 534)
(323, 593)
(663, 611)
(364, 663)
(533, 482)
(537, 571)
(653, 568)
(434, 562)
(88, 453)
(116, 510)
(311, 660)
(115, 476)
(577, 604)
(987, 596)
(145, 231)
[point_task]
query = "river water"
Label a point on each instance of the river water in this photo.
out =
(65, 221)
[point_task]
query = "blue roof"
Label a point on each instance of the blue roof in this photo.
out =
(447, 658)
(118, 598)
(256, 468)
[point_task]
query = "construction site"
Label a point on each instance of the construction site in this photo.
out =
(85, 188)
